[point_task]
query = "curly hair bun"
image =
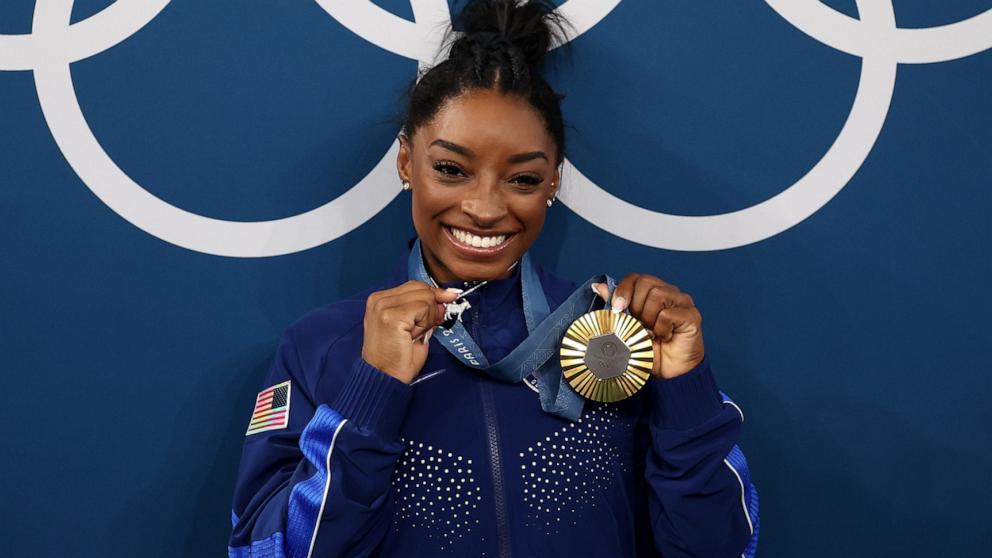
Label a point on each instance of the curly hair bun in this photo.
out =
(528, 28)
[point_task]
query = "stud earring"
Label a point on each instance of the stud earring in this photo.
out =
(406, 186)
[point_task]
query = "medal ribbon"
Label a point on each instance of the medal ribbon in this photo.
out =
(537, 354)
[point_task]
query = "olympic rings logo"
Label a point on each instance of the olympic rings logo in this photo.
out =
(54, 44)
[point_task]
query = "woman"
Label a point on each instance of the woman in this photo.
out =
(377, 436)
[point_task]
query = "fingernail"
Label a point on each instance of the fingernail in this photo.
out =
(427, 336)
(454, 290)
(619, 303)
(593, 287)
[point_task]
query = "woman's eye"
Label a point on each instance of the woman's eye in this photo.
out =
(448, 169)
(527, 180)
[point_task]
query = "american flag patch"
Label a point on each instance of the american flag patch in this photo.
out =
(271, 409)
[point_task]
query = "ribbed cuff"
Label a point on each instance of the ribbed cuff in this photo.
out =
(687, 400)
(373, 400)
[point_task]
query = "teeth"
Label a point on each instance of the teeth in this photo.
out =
(470, 239)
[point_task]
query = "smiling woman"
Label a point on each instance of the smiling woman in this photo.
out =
(481, 173)
(375, 437)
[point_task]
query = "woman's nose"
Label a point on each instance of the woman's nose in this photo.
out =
(485, 207)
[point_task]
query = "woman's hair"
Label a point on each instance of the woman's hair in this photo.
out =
(501, 45)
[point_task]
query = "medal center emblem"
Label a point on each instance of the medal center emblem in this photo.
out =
(607, 356)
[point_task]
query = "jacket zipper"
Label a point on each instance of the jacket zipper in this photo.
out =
(495, 457)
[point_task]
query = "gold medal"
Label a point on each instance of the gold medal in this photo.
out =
(606, 357)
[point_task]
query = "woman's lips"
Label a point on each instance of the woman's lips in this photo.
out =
(477, 245)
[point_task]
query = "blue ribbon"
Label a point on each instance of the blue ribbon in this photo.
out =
(538, 353)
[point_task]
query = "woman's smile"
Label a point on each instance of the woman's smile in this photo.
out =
(477, 245)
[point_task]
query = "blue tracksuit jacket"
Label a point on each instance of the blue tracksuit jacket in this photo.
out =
(459, 464)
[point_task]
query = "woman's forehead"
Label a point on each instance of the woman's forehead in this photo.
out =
(490, 119)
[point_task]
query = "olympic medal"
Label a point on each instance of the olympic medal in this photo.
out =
(606, 357)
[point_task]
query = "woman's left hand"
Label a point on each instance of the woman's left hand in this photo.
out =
(669, 314)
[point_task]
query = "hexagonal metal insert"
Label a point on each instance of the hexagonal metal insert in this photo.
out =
(607, 356)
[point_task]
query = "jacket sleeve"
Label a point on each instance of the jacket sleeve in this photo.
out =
(701, 502)
(320, 485)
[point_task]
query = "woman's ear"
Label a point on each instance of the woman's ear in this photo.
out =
(556, 182)
(404, 159)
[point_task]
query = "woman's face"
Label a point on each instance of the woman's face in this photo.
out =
(481, 173)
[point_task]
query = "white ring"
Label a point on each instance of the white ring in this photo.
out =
(172, 224)
(782, 211)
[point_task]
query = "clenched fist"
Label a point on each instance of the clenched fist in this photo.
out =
(669, 314)
(398, 325)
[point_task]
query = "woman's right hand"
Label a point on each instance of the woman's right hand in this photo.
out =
(399, 323)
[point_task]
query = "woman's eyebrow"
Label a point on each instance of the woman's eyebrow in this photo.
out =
(529, 156)
(461, 150)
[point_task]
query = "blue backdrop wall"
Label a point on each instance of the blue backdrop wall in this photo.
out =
(176, 187)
